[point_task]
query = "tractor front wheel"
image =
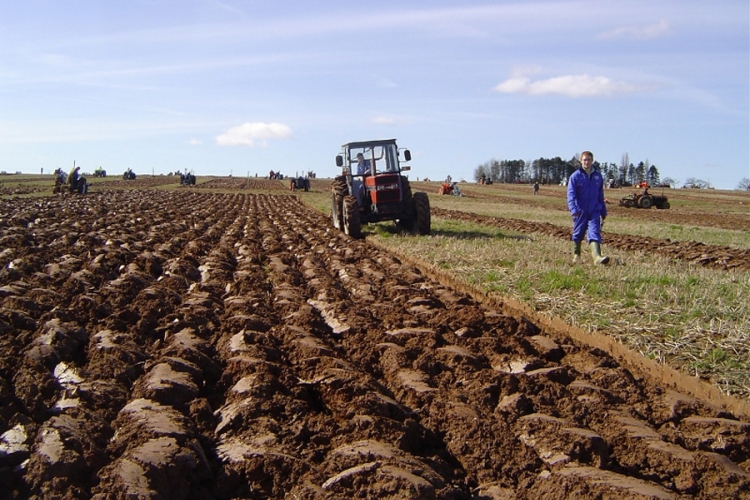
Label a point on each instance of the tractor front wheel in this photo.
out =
(338, 191)
(337, 205)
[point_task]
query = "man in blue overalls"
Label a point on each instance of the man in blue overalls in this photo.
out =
(586, 205)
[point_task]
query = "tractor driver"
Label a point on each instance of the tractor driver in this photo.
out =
(363, 166)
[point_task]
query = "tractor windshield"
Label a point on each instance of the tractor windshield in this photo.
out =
(375, 159)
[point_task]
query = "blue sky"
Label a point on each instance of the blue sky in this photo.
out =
(242, 87)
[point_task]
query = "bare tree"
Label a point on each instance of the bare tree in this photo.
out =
(692, 182)
(623, 178)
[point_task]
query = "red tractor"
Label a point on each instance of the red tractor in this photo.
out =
(372, 188)
(644, 199)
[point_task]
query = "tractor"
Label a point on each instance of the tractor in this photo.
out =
(63, 184)
(187, 179)
(372, 188)
(301, 183)
(644, 199)
(449, 187)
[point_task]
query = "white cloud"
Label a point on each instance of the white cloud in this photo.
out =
(383, 120)
(568, 85)
(195, 142)
(253, 134)
(387, 83)
(638, 32)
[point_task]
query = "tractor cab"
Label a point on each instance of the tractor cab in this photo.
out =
(372, 187)
(373, 171)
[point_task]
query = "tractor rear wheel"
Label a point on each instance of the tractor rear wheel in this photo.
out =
(406, 221)
(339, 189)
(645, 202)
(339, 186)
(421, 212)
(405, 189)
(352, 223)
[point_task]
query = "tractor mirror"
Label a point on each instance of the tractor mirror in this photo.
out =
(407, 155)
(405, 168)
(339, 161)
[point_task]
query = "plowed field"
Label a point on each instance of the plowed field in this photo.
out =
(193, 345)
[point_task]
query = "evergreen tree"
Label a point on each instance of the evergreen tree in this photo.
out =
(652, 177)
(640, 173)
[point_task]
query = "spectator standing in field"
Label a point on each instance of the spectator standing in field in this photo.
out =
(586, 205)
(536, 188)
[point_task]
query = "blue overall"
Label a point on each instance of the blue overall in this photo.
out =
(586, 198)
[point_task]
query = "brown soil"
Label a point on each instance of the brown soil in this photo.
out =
(191, 345)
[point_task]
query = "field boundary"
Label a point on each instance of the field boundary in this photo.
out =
(660, 374)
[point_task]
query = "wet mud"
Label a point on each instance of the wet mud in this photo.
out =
(188, 344)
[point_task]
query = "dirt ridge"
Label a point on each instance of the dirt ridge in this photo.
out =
(189, 344)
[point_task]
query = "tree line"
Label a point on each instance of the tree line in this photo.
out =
(557, 171)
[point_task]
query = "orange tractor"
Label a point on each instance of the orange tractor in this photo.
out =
(449, 188)
(373, 188)
(644, 199)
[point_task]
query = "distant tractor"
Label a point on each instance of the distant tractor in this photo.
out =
(129, 175)
(372, 188)
(299, 183)
(449, 188)
(644, 199)
(100, 172)
(63, 184)
(187, 179)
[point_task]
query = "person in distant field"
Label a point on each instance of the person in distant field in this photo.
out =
(363, 166)
(73, 178)
(536, 188)
(587, 206)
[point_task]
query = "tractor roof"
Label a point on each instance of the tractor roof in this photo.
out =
(363, 144)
